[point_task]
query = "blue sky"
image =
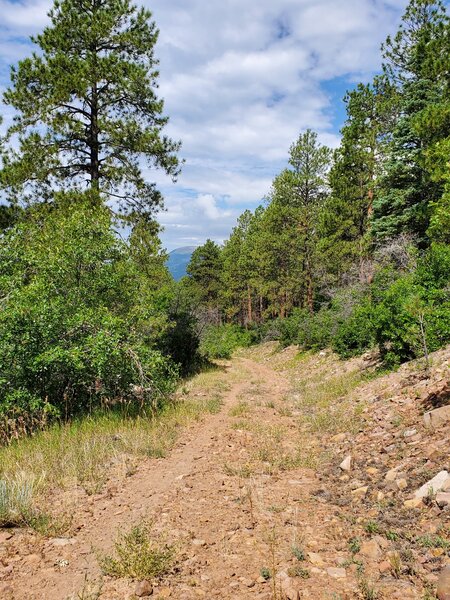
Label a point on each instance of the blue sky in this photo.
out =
(241, 79)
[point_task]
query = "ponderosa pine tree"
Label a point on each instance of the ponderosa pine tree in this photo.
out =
(237, 291)
(302, 188)
(86, 106)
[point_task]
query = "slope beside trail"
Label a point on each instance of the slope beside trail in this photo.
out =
(254, 500)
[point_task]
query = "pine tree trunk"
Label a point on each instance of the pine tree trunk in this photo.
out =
(94, 141)
(249, 305)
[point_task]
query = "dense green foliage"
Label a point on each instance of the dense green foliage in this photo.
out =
(220, 341)
(86, 315)
(349, 250)
(80, 319)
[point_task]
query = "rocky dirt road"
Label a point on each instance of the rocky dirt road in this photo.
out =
(284, 494)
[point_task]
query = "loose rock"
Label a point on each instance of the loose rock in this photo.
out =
(432, 486)
(336, 573)
(346, 464)
(371, 549)
(436, 418)
(443, 499)
(143, 589)
(443, 587)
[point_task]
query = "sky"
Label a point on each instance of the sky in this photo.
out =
(241, 79)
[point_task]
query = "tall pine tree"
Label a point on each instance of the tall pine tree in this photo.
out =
(406, 190)
(86, 106)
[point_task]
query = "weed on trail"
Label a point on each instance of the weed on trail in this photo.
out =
(139, 555)
(91, 590)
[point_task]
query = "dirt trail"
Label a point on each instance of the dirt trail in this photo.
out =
(256, 489)
(187, 486)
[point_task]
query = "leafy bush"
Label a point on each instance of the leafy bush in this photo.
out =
(403, 313)
(355, 334)
(220, 341)
(310, 331)
(80, 321)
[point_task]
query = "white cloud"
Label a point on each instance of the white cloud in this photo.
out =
(241, 79)
(207, 204)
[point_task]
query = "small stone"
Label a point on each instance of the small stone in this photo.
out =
(360, 492)
(289, 590)
(443, 499)
(409, 433)
(413, 503)
(371, 470)
(291, 593)
(392, 474)
(247, 582)
(261, 580)
(164, 592)
(346, 464)
(143, 589)
(371, 549)
(339, 438)
(402, 484)
(436, 418)
(60, 542)
(198, 542)
(315, 559)
(380, 496)
(336, 573)
(432, 486)
(443, 586)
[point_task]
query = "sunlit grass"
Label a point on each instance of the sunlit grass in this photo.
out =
(88, 451)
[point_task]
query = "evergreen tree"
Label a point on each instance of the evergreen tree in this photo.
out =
(87, 109)
(303, 188)
(406, 189)
(205, 273)
(237, 290)
(347, 212)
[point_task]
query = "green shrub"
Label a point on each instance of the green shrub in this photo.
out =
(404, 314)
(310, 331)
(80, 319)
(356, 334)
(220, 341)
(138, 555)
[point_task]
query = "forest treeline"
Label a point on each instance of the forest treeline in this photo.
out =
(350, 248)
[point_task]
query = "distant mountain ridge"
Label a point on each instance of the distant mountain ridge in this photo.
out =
(178, 261)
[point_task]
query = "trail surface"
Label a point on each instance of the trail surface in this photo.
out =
(256, 490)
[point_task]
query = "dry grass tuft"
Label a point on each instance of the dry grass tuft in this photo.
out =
(138, 555)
